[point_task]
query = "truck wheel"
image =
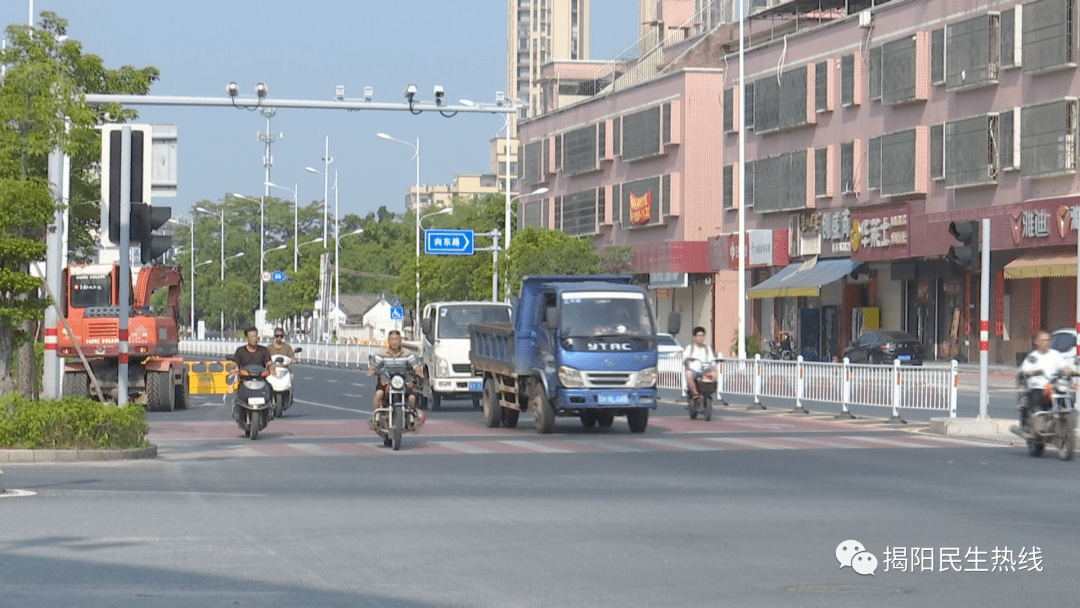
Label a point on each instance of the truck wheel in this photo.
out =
(605, 420)
(493, 413)
(182, 393)
(76, 384)
(542, 409)
(159, 392)
(436, 401)
(638, 419)
(588, 419)
(509, 418)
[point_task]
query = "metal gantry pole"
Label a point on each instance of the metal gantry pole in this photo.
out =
(984, 319)
(337, 254)
(742, 186)
(223, 268)
(326, 189)
(296, 230)
(416, 313)
(191, 287)
(125, 265)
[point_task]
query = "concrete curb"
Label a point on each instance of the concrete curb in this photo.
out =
(42, 456)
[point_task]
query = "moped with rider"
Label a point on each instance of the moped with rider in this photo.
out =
(705, 379)
(394, 417)
(1053, 418)
(251, 405)
(781, 349)
(281, 383)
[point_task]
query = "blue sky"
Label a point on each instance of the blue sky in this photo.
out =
(302, 50)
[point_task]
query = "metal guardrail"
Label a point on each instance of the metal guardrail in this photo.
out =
(345, 356)
(896, 387)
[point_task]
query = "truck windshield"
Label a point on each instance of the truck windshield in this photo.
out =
(605, 314)
(454, 321)
(91, 290)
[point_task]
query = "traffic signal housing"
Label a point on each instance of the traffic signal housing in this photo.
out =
(112, 161)
(965, 255)
(145, 219)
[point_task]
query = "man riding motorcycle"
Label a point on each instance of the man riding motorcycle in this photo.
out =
(699, 351)
(393, 349)
(253, 353)
(1038, 368)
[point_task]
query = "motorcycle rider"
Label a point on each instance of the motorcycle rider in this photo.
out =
(1038, 368)
(279, 346)
(393, 349)
(253, 353)
(700, 351)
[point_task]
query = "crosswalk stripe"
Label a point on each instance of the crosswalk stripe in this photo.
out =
(314, 449)
(883, 441)
(682, 445)
(460, 446)
(747, 443)
(535, 446)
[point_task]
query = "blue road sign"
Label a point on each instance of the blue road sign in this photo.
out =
(448, 242)
(278, 276)
(397, 313)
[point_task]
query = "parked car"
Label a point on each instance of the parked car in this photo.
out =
(885, 346)
(666, 344)
(1064, 341)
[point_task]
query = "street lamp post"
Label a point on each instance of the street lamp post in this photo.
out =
(326, 185)
(416, 155)
(296, 223)
(509, 207)
(337, 249)
(221, 327)
(262, 255)
(419, 221)
(337, 229)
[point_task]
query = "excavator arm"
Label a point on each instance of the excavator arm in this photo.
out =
(153, 278)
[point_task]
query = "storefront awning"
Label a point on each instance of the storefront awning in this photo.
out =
(1036, 265)
(803, 279)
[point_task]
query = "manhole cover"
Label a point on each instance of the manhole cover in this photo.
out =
(844, 589)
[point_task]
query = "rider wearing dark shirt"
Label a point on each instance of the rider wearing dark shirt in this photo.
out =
(253, 353)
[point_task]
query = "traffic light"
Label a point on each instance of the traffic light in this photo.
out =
(966, 255)
(145, 219)
(112, 161)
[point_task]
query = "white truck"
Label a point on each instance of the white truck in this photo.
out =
(444, 349)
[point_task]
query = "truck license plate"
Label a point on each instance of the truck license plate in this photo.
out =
(476, 385)
(614, 399)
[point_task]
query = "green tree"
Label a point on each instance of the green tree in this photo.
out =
(46, 77)
(535, 250)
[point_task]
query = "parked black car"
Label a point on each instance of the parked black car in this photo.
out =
(885, 346)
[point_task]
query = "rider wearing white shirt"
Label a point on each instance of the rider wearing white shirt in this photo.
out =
(1038, 368)
(699, 350)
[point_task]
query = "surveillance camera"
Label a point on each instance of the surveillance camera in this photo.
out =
(500, 98)
(439, 94)
(368, 92)
(340, 92)
(260, 90)
(410, 92)
(231, 89)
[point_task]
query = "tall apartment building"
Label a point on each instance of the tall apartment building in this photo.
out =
(541, 31)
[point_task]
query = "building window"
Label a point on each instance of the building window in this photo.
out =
(937, 56)
(1048, 137)
(898, 77)
(780, 105)
(1011, 51)
(641, 134)
(847, 167)
(821, 87)
(1008, 140)
(729, 187)
(821, 172)
(898, 155)
(729, 110)
(873, 163)
(874, 90)
(1049, 35)
(579, 150)
(937, 152)
(748, 106)
(783, 182)
(970, 147)
(847, 80)
(973, 53)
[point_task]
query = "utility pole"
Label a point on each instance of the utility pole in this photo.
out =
(268, 139)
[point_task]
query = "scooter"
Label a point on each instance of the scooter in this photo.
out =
(251, 408)
(706, 387)
(1053, 421)
(281, 393)
(394, 417)
(781, 349)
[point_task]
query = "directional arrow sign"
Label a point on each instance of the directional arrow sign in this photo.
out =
(448, 242)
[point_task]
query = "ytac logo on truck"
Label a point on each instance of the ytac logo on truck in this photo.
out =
(610, 346)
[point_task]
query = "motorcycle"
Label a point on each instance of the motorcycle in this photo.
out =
(394, 417)
(1053, 420)
(251, 407)
(781, 349)
(706, 387)
(281, 393)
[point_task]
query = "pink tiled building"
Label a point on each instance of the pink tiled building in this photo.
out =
(867, 132)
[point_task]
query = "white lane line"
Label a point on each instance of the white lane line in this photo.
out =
(828, 444)
(162, 492)
(333, 407)
(463, 447)
(313, 449)
(883, 441)
(748, 443)
(608, 445)
(682, 445)
(536, 447)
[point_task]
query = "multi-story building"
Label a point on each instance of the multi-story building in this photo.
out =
(464, 186)
(540, 31)
(869, 127)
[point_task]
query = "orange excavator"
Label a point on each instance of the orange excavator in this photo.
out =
(90, 301)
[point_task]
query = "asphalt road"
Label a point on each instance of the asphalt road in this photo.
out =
(746, 510)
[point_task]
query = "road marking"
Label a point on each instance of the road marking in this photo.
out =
(608, 445)
(748, 443)
(681, 445)
(163, 492)
(314, 449)
(883, 441)
(459, 446)
(828, 444)
(534, 446)
(332, 407)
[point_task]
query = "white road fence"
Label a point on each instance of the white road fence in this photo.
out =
(347, 356)
(896, 387)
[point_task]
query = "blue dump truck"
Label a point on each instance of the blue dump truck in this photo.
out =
(582, 346)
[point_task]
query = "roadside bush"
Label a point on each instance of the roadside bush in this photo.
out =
(70, 423)
(753, 346)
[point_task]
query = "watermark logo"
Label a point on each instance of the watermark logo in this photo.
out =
(853, 553)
